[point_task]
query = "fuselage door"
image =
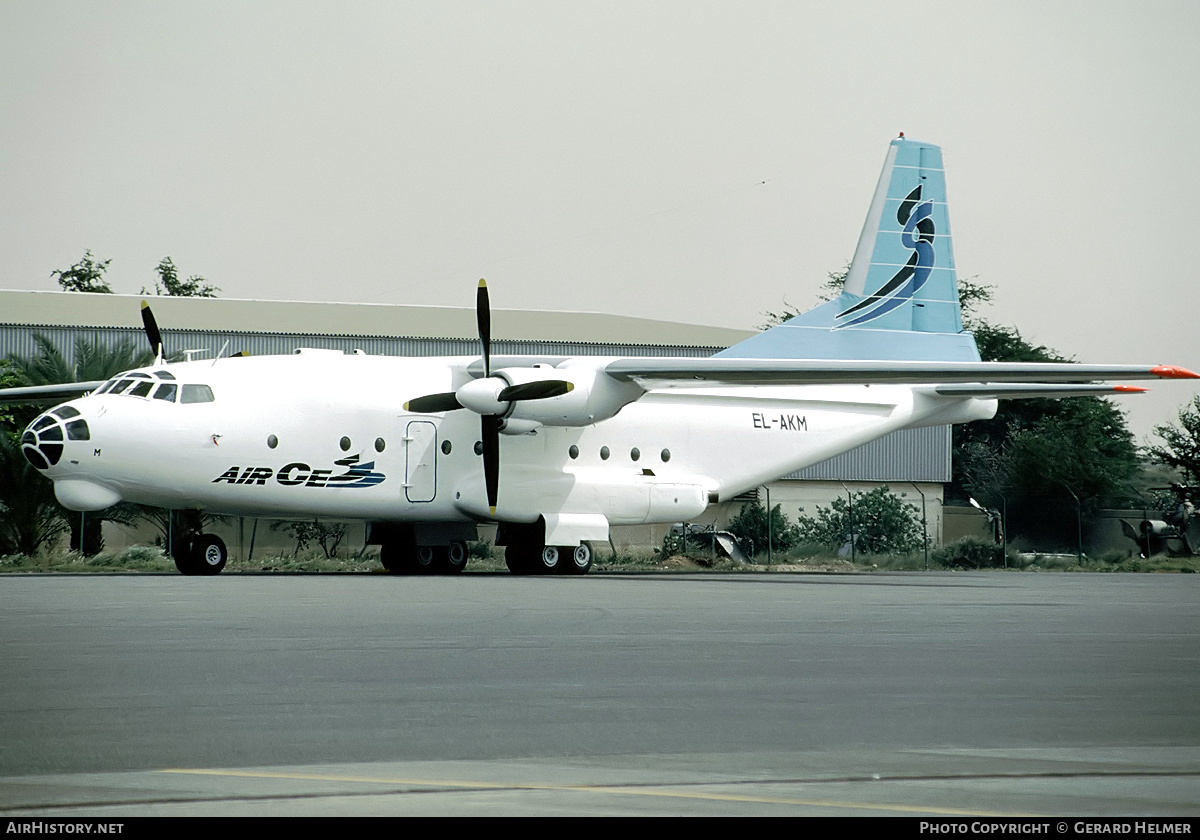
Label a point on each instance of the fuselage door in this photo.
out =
(420, 461)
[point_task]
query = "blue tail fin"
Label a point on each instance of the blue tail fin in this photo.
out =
(901, 295)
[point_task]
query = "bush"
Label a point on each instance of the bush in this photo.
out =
(970, 553)
(882, 523)
(750, 529)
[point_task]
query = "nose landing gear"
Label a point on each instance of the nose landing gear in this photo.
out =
(194, 552)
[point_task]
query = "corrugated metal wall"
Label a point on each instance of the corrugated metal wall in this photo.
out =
(906, 455)
(909, 455)
(18, 340)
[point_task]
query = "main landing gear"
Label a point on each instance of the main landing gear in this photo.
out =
(400, 554)
(533, 559)
(194, 552)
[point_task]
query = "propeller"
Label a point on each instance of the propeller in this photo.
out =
(151, 328)
(490, 424)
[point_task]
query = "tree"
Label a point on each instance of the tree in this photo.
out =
(87, 275)
(879, 520)
(1180, 448)
(171, 285)
(30, 515)
(92, 362)
(1034, 454)
(750, 528)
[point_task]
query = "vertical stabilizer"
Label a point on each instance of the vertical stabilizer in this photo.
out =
(900, 300)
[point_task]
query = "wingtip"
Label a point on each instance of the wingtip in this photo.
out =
(482, 283)
(1173, 372)
(1129, 389)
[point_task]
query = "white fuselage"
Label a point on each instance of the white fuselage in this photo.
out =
(325, 434)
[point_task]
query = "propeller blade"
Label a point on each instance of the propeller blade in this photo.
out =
(542, 390)
(491, 457)
(483, 317)
(433, 403)
(151, 328)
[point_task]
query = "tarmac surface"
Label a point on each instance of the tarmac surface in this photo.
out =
(935, 694)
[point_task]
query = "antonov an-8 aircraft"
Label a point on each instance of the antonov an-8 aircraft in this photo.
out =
(553, 450)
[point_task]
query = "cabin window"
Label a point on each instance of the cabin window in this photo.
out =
(446, 447)
(344, 443)
(573, 451)
(272, 441)
(196, 394)
(635, 453)
(665, 455)
(380, 444)
(604, 453)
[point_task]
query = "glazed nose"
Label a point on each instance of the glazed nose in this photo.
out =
(43, 442)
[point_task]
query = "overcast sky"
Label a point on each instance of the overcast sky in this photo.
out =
(694, 161)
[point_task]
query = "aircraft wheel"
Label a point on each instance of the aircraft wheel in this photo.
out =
(425, 561)
(453, 558)
(186, 560)
(394, 559)
(579, 560)
(210, 554)
(550, 560)
(519, 559)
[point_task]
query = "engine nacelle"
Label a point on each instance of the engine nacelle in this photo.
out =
(595, 397)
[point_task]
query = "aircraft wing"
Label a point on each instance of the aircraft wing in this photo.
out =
(665, 372)
(47, 394)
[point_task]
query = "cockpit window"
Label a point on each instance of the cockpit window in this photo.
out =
(164, 374)
(66, 412)
(105, 387)
(196, 394)
(166, 391)
(78, 430)
(121, 386)
(141, 389)
(138, 375)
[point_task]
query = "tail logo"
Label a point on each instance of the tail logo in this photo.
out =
(917, 218)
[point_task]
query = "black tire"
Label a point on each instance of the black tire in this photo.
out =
(519, 559)
(453, 558)
(425, 560)
(209, 555)
(550, 560)
(578, 560)
(185, 558)
(394, 558)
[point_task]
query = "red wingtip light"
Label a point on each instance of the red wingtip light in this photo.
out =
(1173, 372)
(1129, 389)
